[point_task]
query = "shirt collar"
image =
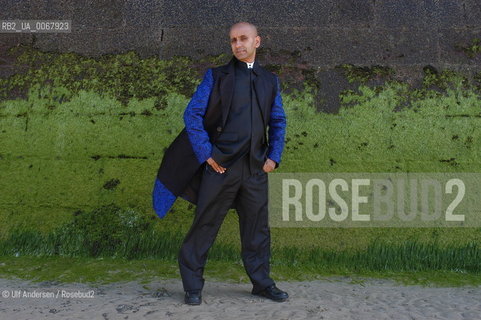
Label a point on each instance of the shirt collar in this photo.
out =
(250, 65)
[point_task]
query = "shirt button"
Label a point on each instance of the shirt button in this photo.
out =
(219, 129)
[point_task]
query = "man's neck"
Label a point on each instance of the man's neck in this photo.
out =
(251, 59)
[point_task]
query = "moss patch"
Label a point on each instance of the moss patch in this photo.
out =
(472, 49)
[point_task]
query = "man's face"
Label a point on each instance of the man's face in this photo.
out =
(244, 41)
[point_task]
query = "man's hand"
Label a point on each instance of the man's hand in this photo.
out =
(269, 165)
(217, 168)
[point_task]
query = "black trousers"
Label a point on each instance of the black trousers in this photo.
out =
(217, 194)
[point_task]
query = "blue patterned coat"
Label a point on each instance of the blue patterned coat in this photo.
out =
(205, 116)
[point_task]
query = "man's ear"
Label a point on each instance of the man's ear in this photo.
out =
(258, 41)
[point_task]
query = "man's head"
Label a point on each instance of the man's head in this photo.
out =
(244, 41)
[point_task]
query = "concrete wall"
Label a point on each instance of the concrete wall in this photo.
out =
(403, 34)
(324, 33)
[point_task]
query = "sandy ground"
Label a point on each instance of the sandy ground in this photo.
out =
(334, 298)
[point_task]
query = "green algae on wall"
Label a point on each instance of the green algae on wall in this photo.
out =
(363, 74)
(376, 131)
(77, 132)
(472, 49)
(122, 76)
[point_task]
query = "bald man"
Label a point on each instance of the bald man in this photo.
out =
(230, 155)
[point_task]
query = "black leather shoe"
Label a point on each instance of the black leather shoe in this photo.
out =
(273, 293)
(193, 298)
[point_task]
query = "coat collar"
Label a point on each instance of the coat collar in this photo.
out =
(227, 87)
(256, 68)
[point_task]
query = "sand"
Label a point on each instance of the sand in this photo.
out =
(332, 298)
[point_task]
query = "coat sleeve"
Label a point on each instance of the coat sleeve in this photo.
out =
(194, 116)
(277, 127)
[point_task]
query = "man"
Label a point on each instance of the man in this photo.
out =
(221, 160)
